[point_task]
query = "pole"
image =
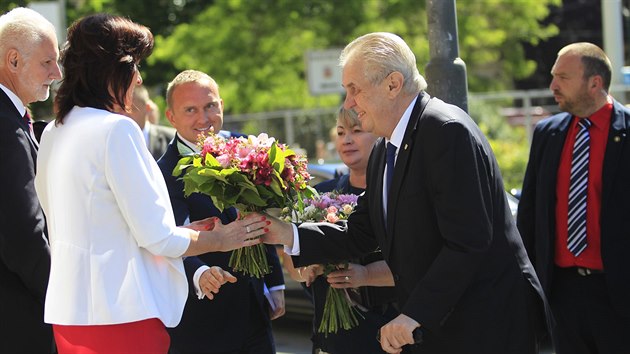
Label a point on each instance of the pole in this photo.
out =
(613, 42)
(446, 72)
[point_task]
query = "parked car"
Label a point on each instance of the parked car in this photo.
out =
(326, 171)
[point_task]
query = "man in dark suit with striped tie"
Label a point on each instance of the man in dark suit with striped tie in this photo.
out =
(28, 66)
(574, 213)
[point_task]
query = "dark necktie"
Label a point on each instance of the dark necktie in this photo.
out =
(390, 161)
(27, 119)
(578, 184)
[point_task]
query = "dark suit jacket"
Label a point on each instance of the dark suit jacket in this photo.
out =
(159, 138)
(221, 324)
(536, 211)
(24, 251)
(450, 241)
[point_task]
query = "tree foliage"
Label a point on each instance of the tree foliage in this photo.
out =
(256, 49)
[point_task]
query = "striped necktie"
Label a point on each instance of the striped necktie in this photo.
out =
(578, 184)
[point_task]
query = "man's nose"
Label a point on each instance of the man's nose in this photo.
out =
(349, 102)
(56, 74)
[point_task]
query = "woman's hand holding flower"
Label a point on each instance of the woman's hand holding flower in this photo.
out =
(278, 232)
(204, 224)
(353, 276)
(311, 272)
(223, 238)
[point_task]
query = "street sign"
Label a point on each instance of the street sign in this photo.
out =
(54, 12)
(323, 72)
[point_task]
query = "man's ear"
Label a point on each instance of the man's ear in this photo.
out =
(395, 82)
(596, 82)
(169, 116)
(13, 59)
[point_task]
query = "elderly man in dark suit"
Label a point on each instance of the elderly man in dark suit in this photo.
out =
(575, 206)
(461, 273)
(237, 320)
(28, 66)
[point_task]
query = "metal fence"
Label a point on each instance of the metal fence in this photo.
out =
(309, 129)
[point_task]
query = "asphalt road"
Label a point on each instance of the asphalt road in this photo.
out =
(293, 337)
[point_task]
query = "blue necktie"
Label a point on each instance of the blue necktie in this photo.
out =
(390, 161)
(578, 184)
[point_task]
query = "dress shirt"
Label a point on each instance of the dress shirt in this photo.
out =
(17, 102)
(591, 256)
(116, 251)
(396, 139)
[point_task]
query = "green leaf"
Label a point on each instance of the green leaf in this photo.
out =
(252, 197)
(276, 185)
(212, 161)
(182, 164)
(276, 157)
(216, 174)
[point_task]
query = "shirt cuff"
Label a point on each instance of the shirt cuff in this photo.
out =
(295, 251)
(277, 287)
(196, 277)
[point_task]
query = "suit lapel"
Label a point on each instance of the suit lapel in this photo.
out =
(15, 114)
(551, 160)
(553, 150)
(376, 196)
(402, 161)
(614, 148)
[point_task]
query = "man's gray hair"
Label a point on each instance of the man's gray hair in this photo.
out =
(23, 29)
(384, 53)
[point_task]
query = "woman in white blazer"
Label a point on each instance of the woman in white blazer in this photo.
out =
(117, 276)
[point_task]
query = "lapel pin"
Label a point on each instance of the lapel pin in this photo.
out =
(406, 146)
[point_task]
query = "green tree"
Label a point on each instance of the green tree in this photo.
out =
(510, 144)
(255, 49)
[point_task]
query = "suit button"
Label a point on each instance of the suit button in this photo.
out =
(396, 277)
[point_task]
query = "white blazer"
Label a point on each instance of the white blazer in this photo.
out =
(116, 252)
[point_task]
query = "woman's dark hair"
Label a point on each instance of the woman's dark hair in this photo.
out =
(99, 61)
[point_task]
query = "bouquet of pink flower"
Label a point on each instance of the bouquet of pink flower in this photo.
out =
(339, 309)
(252, 174)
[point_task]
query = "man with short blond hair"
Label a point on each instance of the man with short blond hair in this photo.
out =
(237, 320)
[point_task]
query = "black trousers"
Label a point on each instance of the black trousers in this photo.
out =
(586, 320)
(259, 338)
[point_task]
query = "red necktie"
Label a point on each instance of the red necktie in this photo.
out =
(27, 118)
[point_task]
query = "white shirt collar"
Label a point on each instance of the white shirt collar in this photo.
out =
(192, 146)
(17, 102)
(399, 132)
